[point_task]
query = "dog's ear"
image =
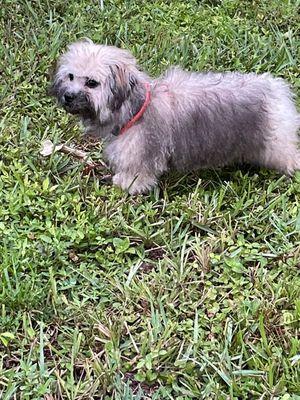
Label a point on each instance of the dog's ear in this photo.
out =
(121, 83)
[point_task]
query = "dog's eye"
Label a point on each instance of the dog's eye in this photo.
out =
(71, 77)
(91, 83)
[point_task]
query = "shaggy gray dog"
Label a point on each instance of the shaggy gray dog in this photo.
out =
(181, 121)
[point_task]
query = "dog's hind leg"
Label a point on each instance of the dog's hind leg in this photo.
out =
(282, 157)
(282, 150)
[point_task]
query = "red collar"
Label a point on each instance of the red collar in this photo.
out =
(140, 113)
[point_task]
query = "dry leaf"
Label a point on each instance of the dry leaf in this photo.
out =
(48, 148)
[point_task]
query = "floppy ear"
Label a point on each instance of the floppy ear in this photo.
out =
(121, 83)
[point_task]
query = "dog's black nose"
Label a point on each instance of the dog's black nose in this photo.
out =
(69, 97)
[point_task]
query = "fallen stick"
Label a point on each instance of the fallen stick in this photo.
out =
(49, 148)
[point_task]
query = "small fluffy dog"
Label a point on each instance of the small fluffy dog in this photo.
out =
(181, 121)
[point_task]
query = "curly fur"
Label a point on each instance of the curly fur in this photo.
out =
(194, 120)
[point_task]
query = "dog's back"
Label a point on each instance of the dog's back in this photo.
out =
(221, 118)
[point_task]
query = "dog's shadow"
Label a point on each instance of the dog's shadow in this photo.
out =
(176, 184)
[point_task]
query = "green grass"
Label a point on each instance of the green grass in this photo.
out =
(190, 292)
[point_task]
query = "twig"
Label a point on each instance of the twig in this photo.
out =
(49, 148)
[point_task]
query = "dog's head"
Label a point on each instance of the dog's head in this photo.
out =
(93, 81)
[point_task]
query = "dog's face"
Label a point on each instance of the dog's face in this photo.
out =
(93, 80)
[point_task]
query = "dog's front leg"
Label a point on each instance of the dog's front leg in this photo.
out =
(135, 182)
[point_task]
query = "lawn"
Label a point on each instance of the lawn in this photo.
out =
(190, 292)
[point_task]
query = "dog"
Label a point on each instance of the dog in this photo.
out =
(180, 121)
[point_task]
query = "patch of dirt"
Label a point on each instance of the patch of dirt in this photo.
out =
(157, 253)
(148, 389)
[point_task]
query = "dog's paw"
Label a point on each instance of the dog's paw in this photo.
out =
(134, 184)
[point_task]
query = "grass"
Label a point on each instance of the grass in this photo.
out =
(190, 292)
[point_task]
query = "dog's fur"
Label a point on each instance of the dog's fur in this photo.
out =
(194, 120)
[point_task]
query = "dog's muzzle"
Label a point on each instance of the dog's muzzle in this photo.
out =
(77, 103)
(68, 98)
